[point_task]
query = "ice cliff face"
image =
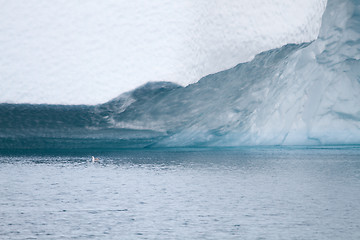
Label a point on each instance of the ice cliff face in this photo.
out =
(298, 94)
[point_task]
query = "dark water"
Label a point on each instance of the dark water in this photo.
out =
(246, 193)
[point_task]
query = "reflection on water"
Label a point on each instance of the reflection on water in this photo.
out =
(248, 193)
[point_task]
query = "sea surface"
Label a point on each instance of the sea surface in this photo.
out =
(234, 193)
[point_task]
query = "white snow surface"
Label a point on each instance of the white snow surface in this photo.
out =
(87, 52)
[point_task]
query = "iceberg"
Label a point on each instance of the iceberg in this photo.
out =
(299, 94)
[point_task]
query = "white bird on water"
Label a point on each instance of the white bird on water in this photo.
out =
(93, 159)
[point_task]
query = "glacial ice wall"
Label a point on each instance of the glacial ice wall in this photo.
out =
(297, 94)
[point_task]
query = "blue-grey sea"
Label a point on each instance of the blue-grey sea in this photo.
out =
(242, 193)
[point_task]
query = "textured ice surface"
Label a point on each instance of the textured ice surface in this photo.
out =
(297, 94)
(86, 53)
